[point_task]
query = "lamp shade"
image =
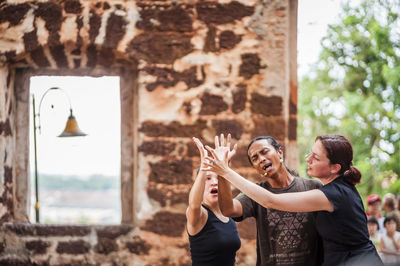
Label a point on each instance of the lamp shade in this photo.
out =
(71, 128)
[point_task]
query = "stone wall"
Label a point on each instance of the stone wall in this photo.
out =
(188, 68)
(73, 245)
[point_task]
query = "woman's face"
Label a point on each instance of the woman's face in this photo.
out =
(318, 162)
(264, 157)
(211, 187)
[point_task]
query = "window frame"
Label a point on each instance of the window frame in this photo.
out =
(129, 136)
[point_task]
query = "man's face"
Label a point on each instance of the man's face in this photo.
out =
(264, 157)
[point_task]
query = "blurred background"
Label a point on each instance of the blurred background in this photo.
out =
(353, 89)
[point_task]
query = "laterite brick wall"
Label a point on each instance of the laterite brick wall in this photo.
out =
(188, 68)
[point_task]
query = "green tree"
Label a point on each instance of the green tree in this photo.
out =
(354, 90)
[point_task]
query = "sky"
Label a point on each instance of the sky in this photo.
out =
(95, 103)
(96, 107)
(312, 24)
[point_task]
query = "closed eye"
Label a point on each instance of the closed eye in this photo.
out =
(264, 151)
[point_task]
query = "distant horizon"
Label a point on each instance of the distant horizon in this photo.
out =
(60, 181)
(74, 175)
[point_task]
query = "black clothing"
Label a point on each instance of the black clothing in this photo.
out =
(284, 238)
(344, 231)
(216, 243)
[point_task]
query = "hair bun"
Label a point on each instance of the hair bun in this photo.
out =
(352, 175)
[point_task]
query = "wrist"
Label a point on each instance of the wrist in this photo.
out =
(201, 174)
(228, 172)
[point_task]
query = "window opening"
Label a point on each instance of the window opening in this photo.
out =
(78, 177)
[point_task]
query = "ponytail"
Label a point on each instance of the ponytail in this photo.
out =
(339, 151)
(352, 175)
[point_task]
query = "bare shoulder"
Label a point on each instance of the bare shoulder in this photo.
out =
(195, 223)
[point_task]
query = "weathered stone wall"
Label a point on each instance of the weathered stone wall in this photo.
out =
(7, 147)
(188, 68)
(25, 244)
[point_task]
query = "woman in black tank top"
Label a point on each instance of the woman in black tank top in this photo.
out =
(213, 238)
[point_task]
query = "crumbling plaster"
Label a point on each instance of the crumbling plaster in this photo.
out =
(187, 68)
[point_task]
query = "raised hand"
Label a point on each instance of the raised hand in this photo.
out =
(223, 144)
(221, 155)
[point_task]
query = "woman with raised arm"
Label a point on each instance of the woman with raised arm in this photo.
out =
(340, 219)
(213, 238)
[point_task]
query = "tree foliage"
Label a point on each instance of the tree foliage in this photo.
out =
(354, 90)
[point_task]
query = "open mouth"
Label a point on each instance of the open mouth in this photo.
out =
(268, 165)
(214, 191)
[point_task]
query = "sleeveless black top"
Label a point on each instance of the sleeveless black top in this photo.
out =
(344, 231)
(216, 243)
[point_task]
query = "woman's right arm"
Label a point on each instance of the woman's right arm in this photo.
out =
(229, 207)
(196, 215)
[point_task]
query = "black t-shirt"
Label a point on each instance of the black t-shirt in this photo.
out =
(215, 244)
(284, 238)
(344, 231)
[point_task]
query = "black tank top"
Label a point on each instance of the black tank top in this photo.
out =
(216, 243)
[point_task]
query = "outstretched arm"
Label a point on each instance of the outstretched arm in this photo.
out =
(307, 201)
(196, 215)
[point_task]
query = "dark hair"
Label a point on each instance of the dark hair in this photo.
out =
(373, 220)
(274, 144)
(339, 151)
(389, 201)
(389, 219)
